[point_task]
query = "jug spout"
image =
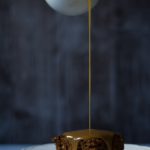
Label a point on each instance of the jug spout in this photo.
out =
(70, 7)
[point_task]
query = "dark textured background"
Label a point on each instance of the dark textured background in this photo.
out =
(43, 70)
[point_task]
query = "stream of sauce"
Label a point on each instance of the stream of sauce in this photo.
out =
(90, 61)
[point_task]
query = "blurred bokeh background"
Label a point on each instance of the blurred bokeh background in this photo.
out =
(44, 70)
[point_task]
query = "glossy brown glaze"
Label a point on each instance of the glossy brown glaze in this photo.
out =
(89, 140)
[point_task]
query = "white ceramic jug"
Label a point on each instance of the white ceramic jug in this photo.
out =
(71, 7)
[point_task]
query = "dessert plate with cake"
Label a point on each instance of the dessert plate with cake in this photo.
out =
(88, 140)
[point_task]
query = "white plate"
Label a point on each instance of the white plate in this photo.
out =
(52, 147)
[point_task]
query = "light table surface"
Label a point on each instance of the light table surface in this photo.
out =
(12, 147)
(20, 147)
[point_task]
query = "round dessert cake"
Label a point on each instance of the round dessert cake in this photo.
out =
(89, 140)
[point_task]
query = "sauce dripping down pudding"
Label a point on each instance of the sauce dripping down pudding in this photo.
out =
(89, 140)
